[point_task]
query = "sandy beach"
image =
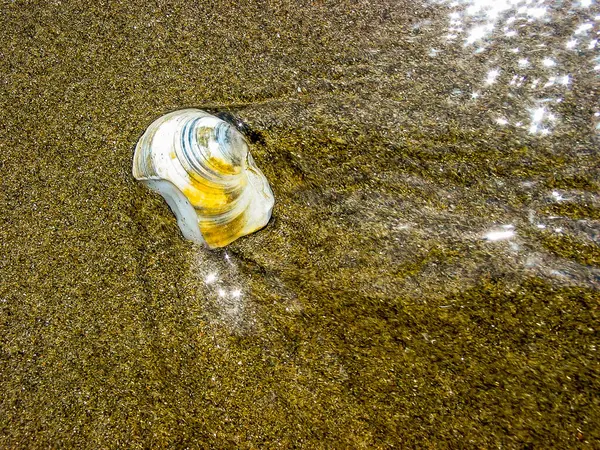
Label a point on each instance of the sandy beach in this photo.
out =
(430, 277)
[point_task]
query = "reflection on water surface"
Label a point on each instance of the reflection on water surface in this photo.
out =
(518, 38)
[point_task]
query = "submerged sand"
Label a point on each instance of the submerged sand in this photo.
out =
(372, 312)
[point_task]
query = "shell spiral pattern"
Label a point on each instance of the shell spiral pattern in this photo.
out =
(201, 165)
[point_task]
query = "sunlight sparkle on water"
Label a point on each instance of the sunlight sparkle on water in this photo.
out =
(538, 114)
(478, 33)
(483, 26)
(571, 44)
(491, 8)
(210, 278)
(584, 28)
(507, 233)
(536, 12)
(492, 75)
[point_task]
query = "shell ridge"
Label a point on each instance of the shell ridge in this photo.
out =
(208, 166)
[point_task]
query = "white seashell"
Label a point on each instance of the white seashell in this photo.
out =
(202, 167)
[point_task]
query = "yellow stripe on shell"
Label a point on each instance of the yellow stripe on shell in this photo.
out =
(219, 234)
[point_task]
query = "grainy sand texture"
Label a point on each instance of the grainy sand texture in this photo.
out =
(429, 278)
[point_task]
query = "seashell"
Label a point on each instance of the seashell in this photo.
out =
(201, 165)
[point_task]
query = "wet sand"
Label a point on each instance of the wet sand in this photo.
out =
(372, 312)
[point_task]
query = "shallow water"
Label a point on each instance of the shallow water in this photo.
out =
(431, 273)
